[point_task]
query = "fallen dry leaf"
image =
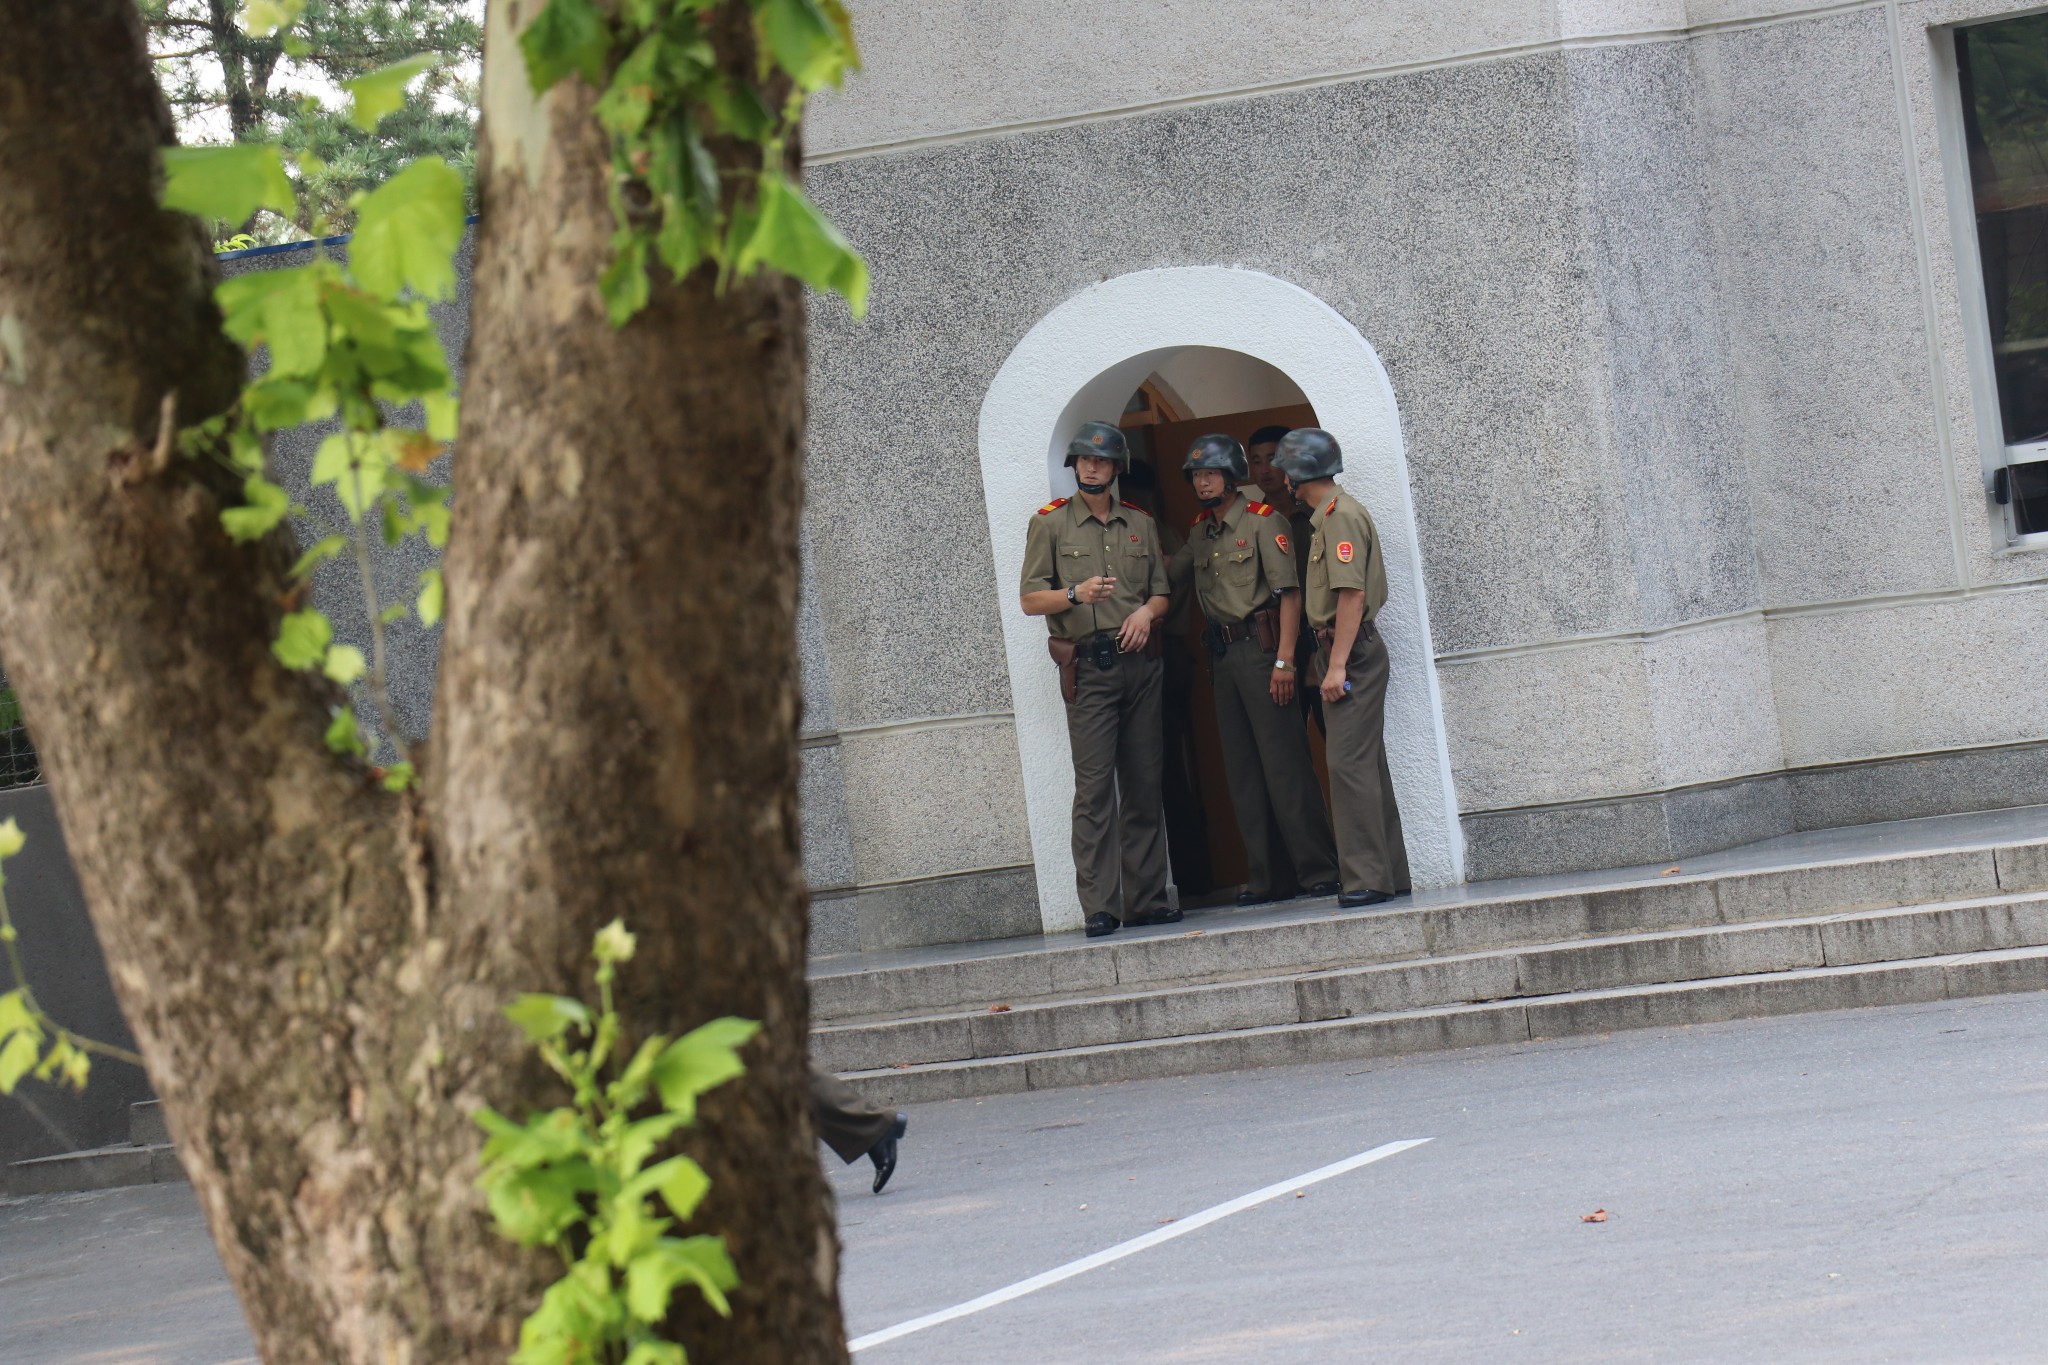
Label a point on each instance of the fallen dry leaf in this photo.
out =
(1596, 1216)
(1194, 933)
(998, 1009)
(902, 1066)
(1667, 872)
(1164, 1221)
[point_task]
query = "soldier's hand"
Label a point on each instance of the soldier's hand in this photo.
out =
(1096, 589)
(1333, 683)
(1283, 687)
(1137, 629)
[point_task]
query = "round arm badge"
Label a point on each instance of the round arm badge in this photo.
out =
(1344, 552)
(1281, 541)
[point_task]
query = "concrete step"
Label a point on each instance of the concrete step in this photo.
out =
(146, 1126)
(102, 1168)
(1401, 1032)
(1093, 1019)
(1312, 936)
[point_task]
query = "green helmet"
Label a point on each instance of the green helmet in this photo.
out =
(1307, 454)
(1099, 438)
(1217, 452)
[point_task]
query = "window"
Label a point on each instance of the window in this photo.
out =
(2002, 69)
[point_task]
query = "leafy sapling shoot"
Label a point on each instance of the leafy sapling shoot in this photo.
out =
(31, 1042)
(577, 1178)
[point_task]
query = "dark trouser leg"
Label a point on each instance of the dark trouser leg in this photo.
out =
(1369, 845)
(849, 1125)
(1187, 834)
(1241, 766)
(1092, 733)
(1139, 814)
(1290, 774)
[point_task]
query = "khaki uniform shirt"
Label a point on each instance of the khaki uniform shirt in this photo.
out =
(1066, 545)
(1346, 554)
(1240, 561)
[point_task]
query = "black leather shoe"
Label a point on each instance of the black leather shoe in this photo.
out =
(1352, 900)
(883, 1153)
(1163, 915)
(1100, 924)
(1260, 897)
(1321, 889)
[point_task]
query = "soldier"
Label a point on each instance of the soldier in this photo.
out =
(1347, 583)
(1092, 568)
(1244, 579)
(853, 1128)
(1259, 454)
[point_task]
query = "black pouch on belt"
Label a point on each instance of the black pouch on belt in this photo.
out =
(1065, 657)
(1213, 641)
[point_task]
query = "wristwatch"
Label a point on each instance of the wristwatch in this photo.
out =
(1283, 664)
(1072, 600)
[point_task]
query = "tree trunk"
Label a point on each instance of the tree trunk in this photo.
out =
(311, 966)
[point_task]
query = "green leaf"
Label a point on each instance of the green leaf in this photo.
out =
(343, 735)
(302, 639)
(12, 840)
(803, 40)
(628, 100)
(407, 231)
(397, 611)
(700, 1060)
(739, 110)
(267, 506)
(264, 17)
(568, 35)
(352, 463)
(16, 1058)
(279, 309)
(654, 1274)
(226, 184)
(657, 1353)
(640, 1139)
(325, 548)
(535, 1207)
(442, 412)
(344, 664)
(684, 1186)
(382, 91)
(544, 1018)
(554, 1136)
(624, 282)
(790, 235)
(14, 1011)
(398, 777)
(433, 597)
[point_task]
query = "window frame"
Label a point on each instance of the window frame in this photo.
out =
(1993, 454)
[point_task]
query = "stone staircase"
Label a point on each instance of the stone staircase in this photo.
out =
(1930, 917)
(147, 1158)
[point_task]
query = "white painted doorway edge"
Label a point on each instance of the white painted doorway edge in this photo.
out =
(1080, 363)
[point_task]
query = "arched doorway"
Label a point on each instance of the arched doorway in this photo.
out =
(1084, 361)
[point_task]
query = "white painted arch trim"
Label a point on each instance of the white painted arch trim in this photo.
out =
(1080, 363)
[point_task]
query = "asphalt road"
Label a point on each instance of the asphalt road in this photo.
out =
(1863, 1186)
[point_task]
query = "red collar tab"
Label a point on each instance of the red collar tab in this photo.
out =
(1055, 505)
(1200, 517)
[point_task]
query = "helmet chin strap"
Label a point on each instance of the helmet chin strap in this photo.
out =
(1091, 489)
(1210, 502)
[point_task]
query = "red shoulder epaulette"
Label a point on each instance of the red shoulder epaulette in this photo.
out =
(1331, 508)
(1200, 517)
(1134, 507)
(1055, 505)
(1263, 509)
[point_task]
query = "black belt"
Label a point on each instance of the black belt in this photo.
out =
(1326, 636)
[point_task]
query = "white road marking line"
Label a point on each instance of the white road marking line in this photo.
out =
(1134, 1246)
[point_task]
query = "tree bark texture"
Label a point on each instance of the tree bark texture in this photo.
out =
(312, 967)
